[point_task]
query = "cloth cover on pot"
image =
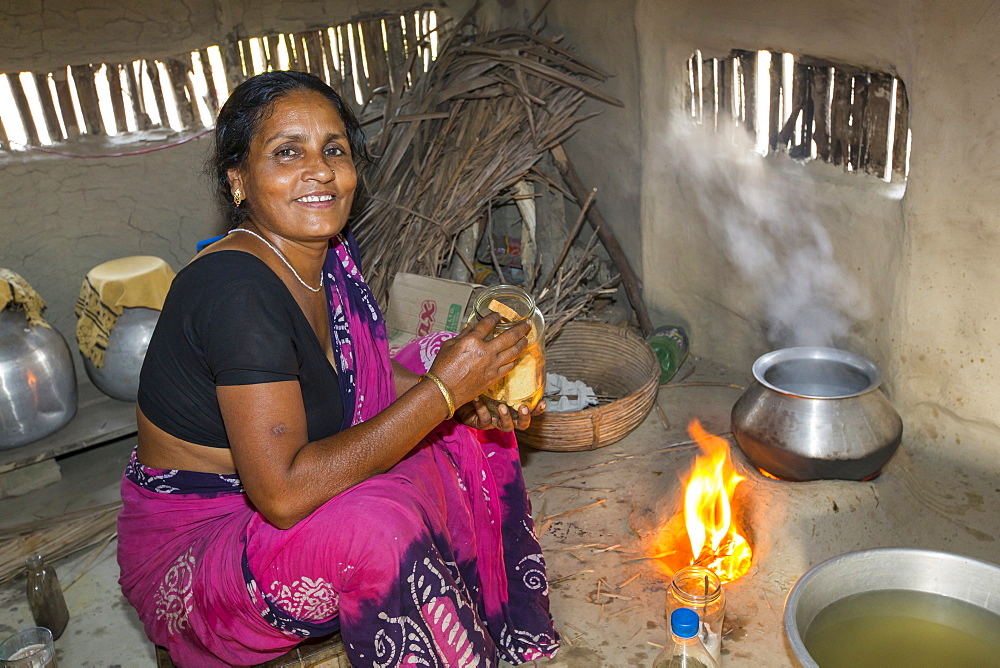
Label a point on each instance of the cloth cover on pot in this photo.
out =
(139, 281)
(15, 292)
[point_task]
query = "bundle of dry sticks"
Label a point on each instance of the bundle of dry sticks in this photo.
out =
(461, 137)
(56, 537)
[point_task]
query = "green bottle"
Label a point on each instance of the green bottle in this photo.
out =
(670, 344)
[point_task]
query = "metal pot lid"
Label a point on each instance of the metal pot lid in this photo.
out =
(815, 372)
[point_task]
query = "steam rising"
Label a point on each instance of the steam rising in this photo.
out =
(769, 230)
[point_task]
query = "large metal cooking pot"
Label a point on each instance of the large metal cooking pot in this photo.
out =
(815, 413)
(37, 381)
(893, 568)
(119, 376)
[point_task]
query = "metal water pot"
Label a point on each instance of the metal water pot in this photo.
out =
(814, 413)
(119, 376)
(889, 569)
(37, 381)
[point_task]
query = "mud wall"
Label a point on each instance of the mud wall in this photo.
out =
(923, 259)
(917, 263)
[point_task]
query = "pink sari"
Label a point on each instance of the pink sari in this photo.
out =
(433, 563)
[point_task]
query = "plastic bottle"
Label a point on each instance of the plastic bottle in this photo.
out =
(670, 344)
(685, 649)
(45, 596)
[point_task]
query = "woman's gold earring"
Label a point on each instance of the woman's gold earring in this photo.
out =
(237, 197)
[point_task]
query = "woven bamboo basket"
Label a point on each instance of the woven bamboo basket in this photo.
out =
(615, 362)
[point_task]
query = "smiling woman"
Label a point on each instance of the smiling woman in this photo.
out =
(298, 179)
(290, 479)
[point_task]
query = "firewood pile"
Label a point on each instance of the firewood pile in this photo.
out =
(480, 130)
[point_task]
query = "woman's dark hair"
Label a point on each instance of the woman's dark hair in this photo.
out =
(241, 116)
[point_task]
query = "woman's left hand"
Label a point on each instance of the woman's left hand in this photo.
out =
(475, 414)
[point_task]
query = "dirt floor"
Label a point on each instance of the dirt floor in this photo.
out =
(601, 511)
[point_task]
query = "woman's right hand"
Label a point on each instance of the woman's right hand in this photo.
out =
(471, 362)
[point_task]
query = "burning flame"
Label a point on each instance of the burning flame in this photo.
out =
(715, 539)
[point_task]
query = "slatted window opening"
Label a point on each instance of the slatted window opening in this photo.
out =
(808, 108)
(184, 93)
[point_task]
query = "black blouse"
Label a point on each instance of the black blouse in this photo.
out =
(229, 320)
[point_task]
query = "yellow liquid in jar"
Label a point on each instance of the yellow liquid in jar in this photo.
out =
(911, 629)
(524, 385)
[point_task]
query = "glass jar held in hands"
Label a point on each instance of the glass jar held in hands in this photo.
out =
(524, 385)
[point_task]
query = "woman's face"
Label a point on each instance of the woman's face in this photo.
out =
(299, 178)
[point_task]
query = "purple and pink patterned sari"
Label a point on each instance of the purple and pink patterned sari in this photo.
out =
(433, 563)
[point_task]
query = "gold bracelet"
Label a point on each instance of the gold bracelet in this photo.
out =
(444, 392)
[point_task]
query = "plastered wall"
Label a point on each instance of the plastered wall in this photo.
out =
(62, 217)
(926, 260)
(946, 363)
(759, 253)
(919, 269)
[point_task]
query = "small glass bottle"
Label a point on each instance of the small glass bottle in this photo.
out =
(525, 384)
(685, 649)
(700, 590)
(45, 596)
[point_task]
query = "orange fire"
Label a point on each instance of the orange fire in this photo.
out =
(716, 542)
